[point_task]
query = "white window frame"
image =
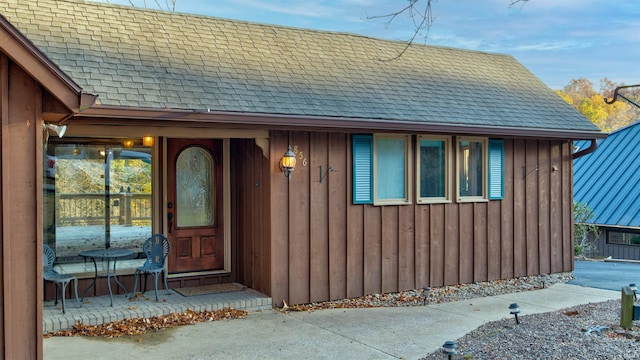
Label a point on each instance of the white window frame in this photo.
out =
(485, 169)
(448, 173)
(406, 199)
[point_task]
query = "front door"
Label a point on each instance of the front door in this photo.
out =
(194, 205)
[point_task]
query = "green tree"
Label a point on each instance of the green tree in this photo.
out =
(582, 230)
(581, 94)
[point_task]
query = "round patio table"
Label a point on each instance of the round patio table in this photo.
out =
(109, 255)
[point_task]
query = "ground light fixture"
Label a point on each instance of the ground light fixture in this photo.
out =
(288, 162)
(449, 349)
(515, 310)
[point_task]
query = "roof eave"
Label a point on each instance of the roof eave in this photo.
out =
(24, 53)
(117, 115)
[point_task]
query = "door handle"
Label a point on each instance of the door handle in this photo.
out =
(170, 221)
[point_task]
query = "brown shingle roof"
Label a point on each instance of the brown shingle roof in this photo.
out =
(135, 57)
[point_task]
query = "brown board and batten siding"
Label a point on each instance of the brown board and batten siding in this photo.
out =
(324, 247)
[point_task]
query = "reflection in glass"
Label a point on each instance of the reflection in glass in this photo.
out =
(432, 168)
(390, 157)
(97, 194)
(194, 188)
(470, 172)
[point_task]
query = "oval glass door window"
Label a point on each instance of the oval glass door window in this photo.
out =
(195, 195)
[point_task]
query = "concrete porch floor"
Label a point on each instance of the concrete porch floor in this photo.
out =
(97, 311)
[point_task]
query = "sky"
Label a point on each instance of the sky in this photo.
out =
(557, 40)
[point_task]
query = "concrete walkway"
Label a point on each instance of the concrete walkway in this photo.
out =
(378, 333)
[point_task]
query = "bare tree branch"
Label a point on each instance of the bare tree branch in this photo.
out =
(515, 2)
(422, 18)
(170, 5)
(419, 11)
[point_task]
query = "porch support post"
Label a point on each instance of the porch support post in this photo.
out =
(20, 213)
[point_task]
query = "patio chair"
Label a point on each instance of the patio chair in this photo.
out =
(156, 248)
(51, 275)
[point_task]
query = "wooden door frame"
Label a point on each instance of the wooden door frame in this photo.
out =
(226, 198)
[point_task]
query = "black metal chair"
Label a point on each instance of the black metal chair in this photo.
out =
(51, 275)
(156, 248)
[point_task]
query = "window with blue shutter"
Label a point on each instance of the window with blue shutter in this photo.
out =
(496, 169)
(362, 147)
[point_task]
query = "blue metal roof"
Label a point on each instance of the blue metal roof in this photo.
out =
(608, 180)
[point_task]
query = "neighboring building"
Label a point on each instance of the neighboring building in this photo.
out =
(607, 181)
(443, 166)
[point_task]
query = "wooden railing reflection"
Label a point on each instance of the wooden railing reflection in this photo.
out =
(124, 208)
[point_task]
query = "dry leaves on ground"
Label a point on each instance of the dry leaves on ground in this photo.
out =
(436, 295)
(139, 326)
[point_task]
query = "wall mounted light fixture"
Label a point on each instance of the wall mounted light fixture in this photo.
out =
(288, 162)
(57, 129)
(147, 141)
(128, 144)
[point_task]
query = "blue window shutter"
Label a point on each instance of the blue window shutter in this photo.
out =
(362, 147)
(496, 169)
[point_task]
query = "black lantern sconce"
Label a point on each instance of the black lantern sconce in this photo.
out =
(288, 162)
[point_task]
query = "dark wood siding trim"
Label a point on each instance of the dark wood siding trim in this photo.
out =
(567, 198)
(437, 226)
(555, 210)
(21, 204)
(519, 216)
(279, 216)
(544, 202)
(531, 170)
(337, 182)
(319, 217)
(508, 214)
(250, 221)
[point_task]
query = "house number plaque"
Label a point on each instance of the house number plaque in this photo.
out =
(300, 154)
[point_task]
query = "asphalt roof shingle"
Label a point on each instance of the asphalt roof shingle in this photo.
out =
(135, 57)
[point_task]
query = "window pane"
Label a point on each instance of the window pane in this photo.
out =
(432, 168)
(470, 168)
(194, 187)
(391, 170)
(97, 194)
(623, 238)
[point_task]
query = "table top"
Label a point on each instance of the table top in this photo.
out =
(107, 253)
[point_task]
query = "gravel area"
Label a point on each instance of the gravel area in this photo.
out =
(589, 331)
(437, 295)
